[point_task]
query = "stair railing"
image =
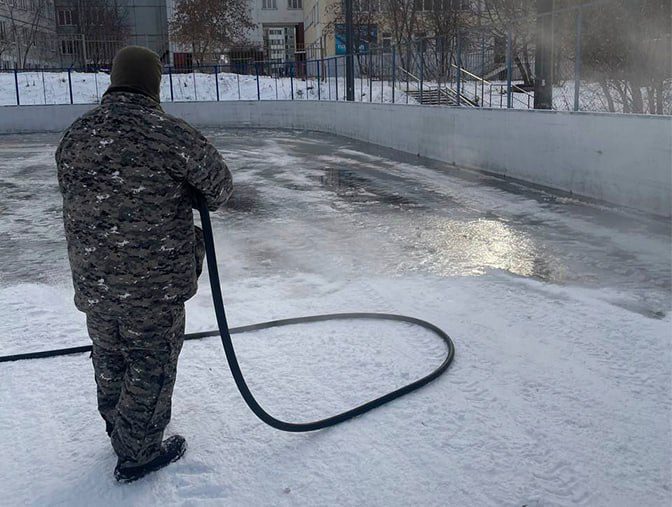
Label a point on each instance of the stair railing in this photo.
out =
(490, 85)
(410, 77)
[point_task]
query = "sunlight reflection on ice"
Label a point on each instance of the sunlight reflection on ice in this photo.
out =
(456, 247)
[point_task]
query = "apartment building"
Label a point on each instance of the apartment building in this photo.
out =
(279, 31)
(27, 33)
(325, 34)
(87, 37)
(319, 37)
(148, 23)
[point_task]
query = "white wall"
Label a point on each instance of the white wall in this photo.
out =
(622, 159)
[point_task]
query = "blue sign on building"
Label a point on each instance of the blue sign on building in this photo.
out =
(364, 36)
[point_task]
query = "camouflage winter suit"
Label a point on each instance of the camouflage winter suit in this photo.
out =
(127, 172)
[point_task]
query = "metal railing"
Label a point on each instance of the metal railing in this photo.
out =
(477, 80)
(433, 93)
(491, 64)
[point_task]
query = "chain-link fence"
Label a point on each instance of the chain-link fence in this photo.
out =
(607, 55)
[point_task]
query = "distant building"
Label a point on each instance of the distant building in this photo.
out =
(279, 29)
(80, 43)
(278, 36)
(27, 34)
(320, 41)
(83, 41)
(148, 21)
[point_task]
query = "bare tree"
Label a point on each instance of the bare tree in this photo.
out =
(626, 48)
(517, 18)
(25, 27)
(5, 41)
(210, 27)
(401, 16)
(104, 29)
(446, 19)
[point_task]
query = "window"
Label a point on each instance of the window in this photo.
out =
(269, 4)
(295, 4)
(67, 47)
(441, 5)
(65, 17)
(368, 5)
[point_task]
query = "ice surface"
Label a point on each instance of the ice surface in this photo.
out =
(560, 311)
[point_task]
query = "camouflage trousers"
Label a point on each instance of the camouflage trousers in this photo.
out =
(135, 364)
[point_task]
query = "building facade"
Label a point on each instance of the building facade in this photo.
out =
(148, 23)
(90, 33)
(320, 41)
(279, 31)
(278, 35)
(83, 42)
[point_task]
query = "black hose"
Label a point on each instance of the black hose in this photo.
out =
(225, 334)
(238, 375)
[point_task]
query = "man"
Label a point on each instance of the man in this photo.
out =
(128, 173)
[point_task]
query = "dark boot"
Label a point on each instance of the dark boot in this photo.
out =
(172, 449)
(109, 428)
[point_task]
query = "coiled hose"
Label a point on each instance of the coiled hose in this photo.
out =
(225, 334)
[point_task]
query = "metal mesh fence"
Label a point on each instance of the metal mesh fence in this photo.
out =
(606, 55)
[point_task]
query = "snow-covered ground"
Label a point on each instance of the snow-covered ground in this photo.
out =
(560, 312)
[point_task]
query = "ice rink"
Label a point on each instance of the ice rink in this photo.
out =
(560, 311)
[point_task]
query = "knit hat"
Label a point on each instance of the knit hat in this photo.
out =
(137, 69)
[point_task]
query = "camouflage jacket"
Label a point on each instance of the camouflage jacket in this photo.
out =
(127, 172)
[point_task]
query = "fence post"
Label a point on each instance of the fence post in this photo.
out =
(483, 74)
(16, 85)
(170, 77)
(336, 75)
(319, 64)
(193, 78)
(256, 73)
(459, 69)
(44, 88)
(291, 78)
(394, 70)
(70, 85)
(95, 80)
(370, 61)
(509, 70)
(408, 66)
(217, 82)
(577, 60)
(422, 66)
(328, 80)
(382, 77)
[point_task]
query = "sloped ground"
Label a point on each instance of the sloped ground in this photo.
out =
(560, 312)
